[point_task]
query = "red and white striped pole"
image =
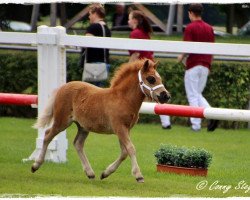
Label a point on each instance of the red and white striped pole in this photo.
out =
(198, 112)
(18, 99)
(152, 108)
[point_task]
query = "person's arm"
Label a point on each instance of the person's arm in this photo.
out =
(134, 56)
(213, 39)
(181, 57)
(187, 37)
(92, 30)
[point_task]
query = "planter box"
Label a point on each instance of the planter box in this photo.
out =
(182, 170)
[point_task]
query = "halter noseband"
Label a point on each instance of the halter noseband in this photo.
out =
(143, 85)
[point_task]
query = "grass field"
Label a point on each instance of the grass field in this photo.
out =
(229, 169)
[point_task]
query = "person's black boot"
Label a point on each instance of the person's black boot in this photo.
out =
(167, 127)
(212, 125)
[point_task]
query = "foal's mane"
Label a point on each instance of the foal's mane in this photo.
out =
(125, 70)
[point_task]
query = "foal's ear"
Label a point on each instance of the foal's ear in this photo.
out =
(145, 65)
(156, 64)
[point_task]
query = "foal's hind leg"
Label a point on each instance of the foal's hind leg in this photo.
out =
(79, 144)
(112, 167)
(58, 126)
(49, 135)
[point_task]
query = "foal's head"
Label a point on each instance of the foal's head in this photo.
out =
(151, 83)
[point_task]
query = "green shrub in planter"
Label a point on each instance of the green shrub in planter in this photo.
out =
(183, 157)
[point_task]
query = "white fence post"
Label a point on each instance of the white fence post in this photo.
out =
(51, 75)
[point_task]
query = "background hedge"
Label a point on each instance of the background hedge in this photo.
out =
(227, 87)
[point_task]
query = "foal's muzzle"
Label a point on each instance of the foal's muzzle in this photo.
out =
(164, 97)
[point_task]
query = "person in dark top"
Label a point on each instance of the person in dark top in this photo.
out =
(98, 28)
(197, 66)
(96, 19)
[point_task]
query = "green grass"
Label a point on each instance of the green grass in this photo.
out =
(230, 163)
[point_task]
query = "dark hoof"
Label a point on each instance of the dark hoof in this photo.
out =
(140, 180)
(91, 177)
(33, 170)
(103, 176)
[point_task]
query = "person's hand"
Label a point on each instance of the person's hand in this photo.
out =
(134, 56)
(180, 58)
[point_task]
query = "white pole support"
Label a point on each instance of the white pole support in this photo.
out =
(51, 75)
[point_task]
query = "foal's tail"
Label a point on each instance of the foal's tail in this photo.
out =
(46, 117)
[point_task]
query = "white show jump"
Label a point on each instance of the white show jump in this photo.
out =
(197, 112)
(152, 108)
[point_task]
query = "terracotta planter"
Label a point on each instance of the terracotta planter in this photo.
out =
(182, 170)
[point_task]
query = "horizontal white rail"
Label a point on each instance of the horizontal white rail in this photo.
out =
(127, 44)
(18, 38)
(158, 45)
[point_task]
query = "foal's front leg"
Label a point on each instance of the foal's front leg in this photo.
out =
(135, 167)
(123, 134)
(79, 144)
(112, 167)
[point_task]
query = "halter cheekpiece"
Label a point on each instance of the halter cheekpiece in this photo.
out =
(143, 85)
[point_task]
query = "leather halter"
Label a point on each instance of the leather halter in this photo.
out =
(143, 85)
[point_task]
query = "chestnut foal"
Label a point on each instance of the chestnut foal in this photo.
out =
(111, 110)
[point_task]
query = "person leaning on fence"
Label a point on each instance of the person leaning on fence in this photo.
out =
(141, 29)
(98, 28)
(197, 66)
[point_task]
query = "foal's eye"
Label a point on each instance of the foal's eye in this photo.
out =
(151, 79)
